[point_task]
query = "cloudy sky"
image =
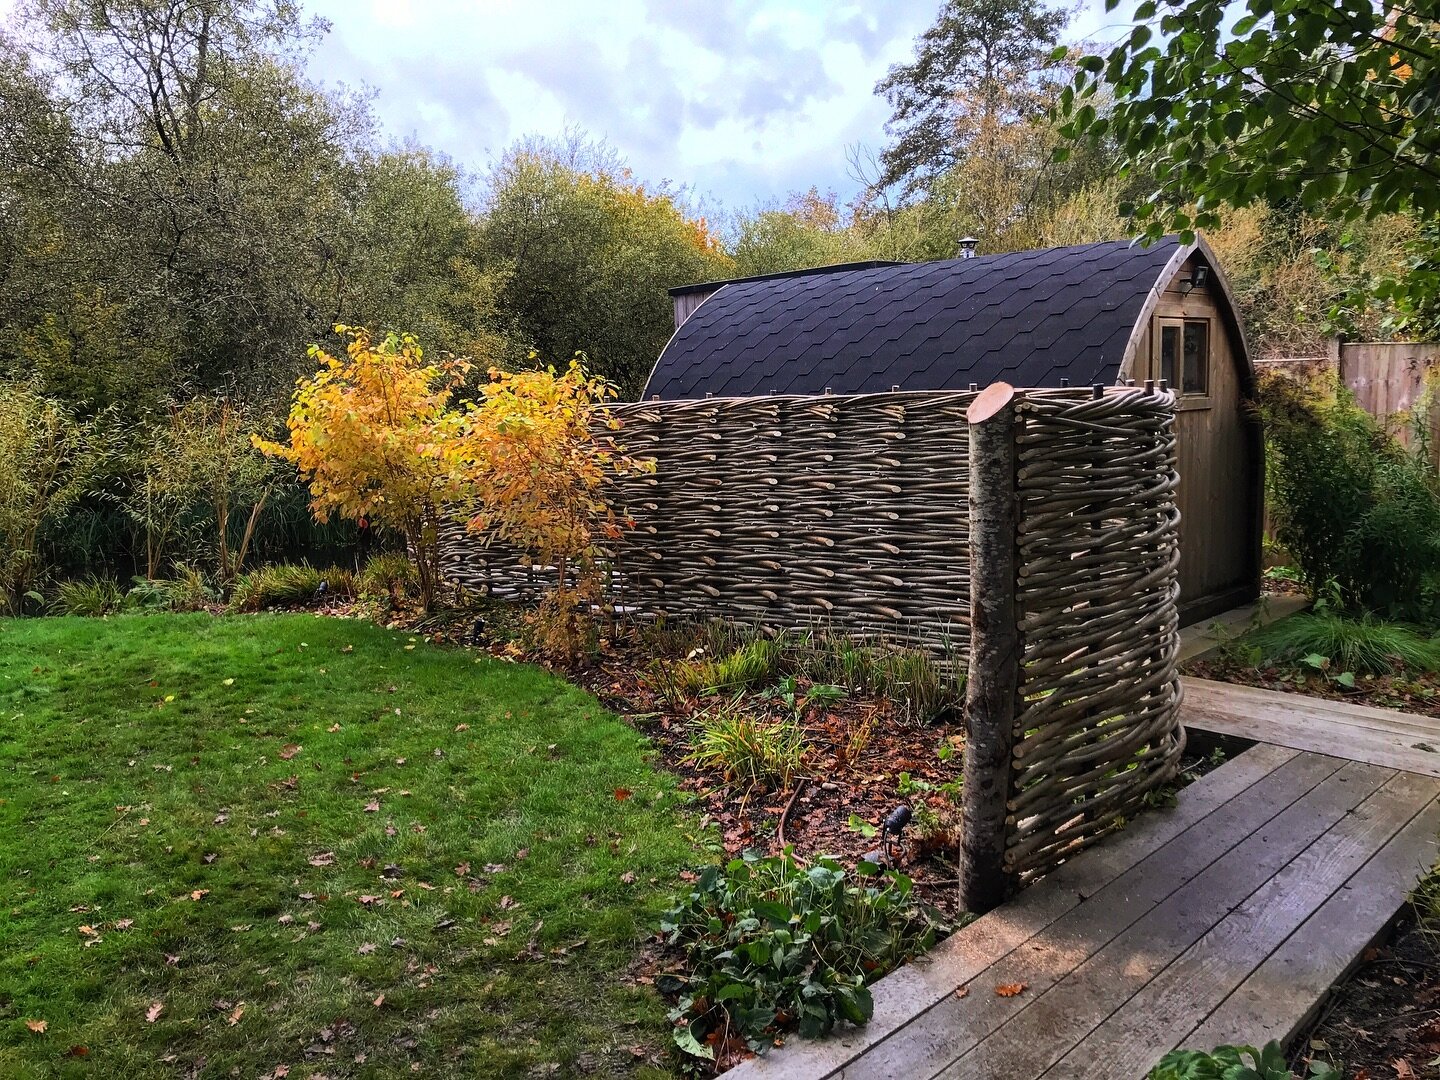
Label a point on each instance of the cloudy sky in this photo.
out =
(741, 100)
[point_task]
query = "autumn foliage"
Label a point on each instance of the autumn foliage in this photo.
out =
(362, 434)
(534, 456)
(380, 438)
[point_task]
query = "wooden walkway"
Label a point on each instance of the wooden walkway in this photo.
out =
(1396, 740)
(1224, 919)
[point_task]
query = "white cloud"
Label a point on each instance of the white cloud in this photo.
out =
(742, 100)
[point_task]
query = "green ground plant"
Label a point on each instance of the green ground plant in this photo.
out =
(91, 595)
(1330, 641)
(1236, 1063)
(289, 585)
(389, 576)
(231, 839)
(748, 748)
(774, 944)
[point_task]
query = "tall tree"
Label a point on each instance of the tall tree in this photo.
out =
(982, 64)
(1318, 101)
(586, 253)
(807, 230)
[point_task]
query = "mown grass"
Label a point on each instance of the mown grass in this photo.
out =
(194, 809)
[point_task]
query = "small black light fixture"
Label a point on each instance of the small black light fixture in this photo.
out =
(1198, 279)
(967, 247)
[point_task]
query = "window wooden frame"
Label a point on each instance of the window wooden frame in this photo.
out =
(1177, 324)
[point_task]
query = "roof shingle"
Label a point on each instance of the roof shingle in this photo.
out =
(1030, 317)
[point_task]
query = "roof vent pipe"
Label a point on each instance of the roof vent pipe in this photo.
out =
(967, 247)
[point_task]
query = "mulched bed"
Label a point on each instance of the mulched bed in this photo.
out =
(1384, 1022)
(1408, 692)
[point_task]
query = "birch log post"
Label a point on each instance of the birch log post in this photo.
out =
(990, 695)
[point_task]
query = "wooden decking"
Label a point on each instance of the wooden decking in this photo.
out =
(1396, 740)
(1223, 919)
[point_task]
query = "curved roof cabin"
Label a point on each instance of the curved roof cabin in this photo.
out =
(1096, 313)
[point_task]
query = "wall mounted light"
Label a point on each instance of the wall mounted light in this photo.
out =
(1198, 279)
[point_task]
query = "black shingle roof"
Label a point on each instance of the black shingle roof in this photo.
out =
(1028, 318)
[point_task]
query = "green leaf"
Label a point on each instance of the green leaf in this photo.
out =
(686, 1040)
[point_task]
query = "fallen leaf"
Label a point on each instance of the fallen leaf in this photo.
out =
(462, 727)
(627, 878)
(325, 858)
(198, 893)
(153, 1012)
(124, 924)
(234, 1017)
(229, 682)
(366, 949)
(288, 751)
(89, 931)
(508, 902)
(462, 869)
(285, 920)
(1403, 1069)
(37, 1026)
(1011, 989)
(962, 991)
(380, 1001)
(368, 900)
(372, 806)
(333, 728)
(78, 1051)
(621, 794)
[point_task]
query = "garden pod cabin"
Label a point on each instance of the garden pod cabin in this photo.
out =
(1077, 316)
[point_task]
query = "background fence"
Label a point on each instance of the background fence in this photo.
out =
(1389, 379)
(1048, 524)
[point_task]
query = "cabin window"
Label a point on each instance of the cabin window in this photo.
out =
(1183, 346)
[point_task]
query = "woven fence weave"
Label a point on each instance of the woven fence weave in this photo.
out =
(847, 512)
(1097, 726)
(852, 512)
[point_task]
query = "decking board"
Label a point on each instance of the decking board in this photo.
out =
(1385, 737)
(1273, 871)
(956, 1025)
(1282, 995)
(1168, 1007)
(1055, 1020)
(910, 991)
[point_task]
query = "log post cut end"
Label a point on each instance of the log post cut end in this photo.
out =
(992, 686)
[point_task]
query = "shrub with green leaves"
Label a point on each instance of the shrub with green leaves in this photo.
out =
(288, 585)
(1329, 641)
(748, 748)
(1236, 1063)
(773, 945)
(389, 576)
(188, 590)
(1349, 502)
(92, 595)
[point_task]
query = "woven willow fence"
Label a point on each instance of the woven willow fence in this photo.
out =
(1055, 582)
(1072, 703)
(784, 512)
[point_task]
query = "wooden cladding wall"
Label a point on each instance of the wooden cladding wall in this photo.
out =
(843, 511)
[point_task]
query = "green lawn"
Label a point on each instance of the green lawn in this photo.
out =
(319, 845)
